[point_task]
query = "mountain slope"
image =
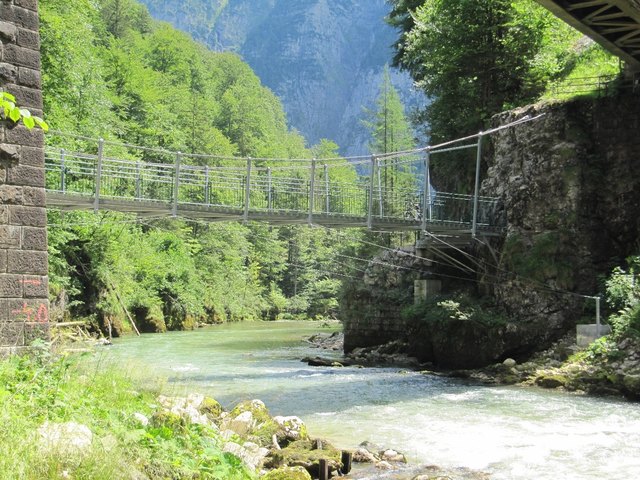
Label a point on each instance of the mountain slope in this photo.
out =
(323, 58)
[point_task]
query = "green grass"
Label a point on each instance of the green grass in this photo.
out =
(44, 387)
(589, 75)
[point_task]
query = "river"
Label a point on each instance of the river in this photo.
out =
(510, 432)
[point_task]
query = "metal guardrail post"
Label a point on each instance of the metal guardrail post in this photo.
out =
(426, 194)
(312, 191)
(207, 193)
(326, 189)
(247, 192)
(371, 186)
(62, 171)
(380, 201)
(597, 299)
(476, 194)
(176, 185)
(96, 202)
(269, 191)
(138, 181)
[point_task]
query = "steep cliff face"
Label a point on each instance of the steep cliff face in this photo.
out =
(572, 202)
(571, 196)
(323, 58)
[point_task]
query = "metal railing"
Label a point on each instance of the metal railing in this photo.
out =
(262, 192)
(602, 85)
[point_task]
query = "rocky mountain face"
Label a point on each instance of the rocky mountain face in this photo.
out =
(323, 58)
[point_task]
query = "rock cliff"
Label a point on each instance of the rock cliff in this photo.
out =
(572, 203)
(323, 58)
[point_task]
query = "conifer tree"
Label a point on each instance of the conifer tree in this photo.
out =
(391, 131)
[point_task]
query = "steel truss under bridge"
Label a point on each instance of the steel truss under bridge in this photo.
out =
(615, 24)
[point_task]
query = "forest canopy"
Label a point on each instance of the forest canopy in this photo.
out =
(110, 71)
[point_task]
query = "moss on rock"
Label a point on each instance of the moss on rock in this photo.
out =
(264, 426)
(307, 454)
(211, 408)
(551, 380)
(167, 419)
(287, 473)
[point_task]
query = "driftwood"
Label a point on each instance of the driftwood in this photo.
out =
(67, 324)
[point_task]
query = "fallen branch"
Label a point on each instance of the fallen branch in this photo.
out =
(133, 324)
(67, 324)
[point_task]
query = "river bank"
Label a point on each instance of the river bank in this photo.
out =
(433, 420)
(70, 416)
(607, 367)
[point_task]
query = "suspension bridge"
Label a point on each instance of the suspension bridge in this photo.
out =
(213, 188)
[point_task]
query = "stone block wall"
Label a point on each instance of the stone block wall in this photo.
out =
(24, 304)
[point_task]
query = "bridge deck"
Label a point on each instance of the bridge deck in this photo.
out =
(149, 208)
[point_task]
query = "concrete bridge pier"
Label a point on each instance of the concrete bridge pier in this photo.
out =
(24, 289)
(424, 289)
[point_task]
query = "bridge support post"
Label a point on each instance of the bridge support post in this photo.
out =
(24, 287)
(423, 289)
(327, 207)
(426, 192)
(312, 191)
(269, 190)
(96, 201)
(476, 193)
(371, 188)
(63, 183)
(247, 192)
(176, 185)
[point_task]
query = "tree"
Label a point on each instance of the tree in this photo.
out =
(391, 132)
(472, 58)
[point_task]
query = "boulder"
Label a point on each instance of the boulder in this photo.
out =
(141, 419)
(393, 456)
(291, 429)
(211, 408)
(632, 385)
(68, 439)
(307, 454)
(287, 473)
(186, 408)
(260, 429)
(509, 362)
(322, 362)
(242, 424)
(551, 380)
(249, 453)
(384, 465)
(362, 455)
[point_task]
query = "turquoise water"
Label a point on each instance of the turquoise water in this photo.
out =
(511, 432)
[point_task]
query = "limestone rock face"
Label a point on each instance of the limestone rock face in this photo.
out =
(572, 208)
(571, 203)
(323, 58)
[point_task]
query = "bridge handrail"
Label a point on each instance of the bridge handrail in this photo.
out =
(268, 190)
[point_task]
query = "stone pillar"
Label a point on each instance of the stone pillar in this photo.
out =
(425, 289)
(24, 304)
